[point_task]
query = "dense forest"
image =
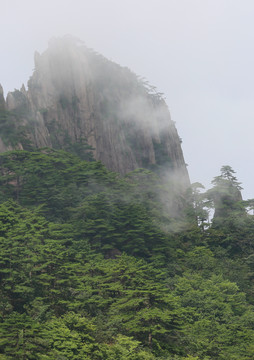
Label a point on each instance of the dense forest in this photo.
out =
(92, 266)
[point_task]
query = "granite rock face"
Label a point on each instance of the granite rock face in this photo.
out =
(2, 101)
(78, 95)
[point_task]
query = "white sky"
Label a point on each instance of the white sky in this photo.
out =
(199, 53)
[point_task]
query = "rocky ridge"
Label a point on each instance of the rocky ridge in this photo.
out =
(76, 96)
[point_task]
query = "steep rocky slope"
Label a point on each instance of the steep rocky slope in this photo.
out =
(76, 96)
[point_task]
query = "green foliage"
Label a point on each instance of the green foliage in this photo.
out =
(198, 205)
(12, 130)
(126, 348)
(226, 195)
(112, 213)
(93, 267)
(232, 225)
(68, 337)
(80, 148)
(216, 317)
(54, 179)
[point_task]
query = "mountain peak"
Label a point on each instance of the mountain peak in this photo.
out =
(76, 95)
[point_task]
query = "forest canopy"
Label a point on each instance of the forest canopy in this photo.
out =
(93, 267)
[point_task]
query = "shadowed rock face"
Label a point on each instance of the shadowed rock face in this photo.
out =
(76, 94)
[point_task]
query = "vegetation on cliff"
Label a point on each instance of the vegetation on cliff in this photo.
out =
(78, 100)
(92, 266)
(101, 266)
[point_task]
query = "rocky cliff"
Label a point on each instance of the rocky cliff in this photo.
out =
(77, 97)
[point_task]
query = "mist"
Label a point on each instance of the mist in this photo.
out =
(198, 53)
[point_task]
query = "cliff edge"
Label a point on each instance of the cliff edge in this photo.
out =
(76, 96)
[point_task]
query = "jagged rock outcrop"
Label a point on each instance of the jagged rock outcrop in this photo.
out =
(76, 94)
(2, 102)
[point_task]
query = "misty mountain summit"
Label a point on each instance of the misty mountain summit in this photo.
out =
(114, 265)
(77, 99)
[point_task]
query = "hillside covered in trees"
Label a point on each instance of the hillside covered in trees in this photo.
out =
(92, 266)
(106, 250)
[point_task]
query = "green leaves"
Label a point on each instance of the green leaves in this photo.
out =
(55, 180)
(68, 337)
(91, 266)
(215, 317)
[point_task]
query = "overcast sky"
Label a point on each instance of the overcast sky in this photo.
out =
(199, 53)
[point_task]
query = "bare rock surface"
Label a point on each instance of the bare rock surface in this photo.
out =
(75, 93)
